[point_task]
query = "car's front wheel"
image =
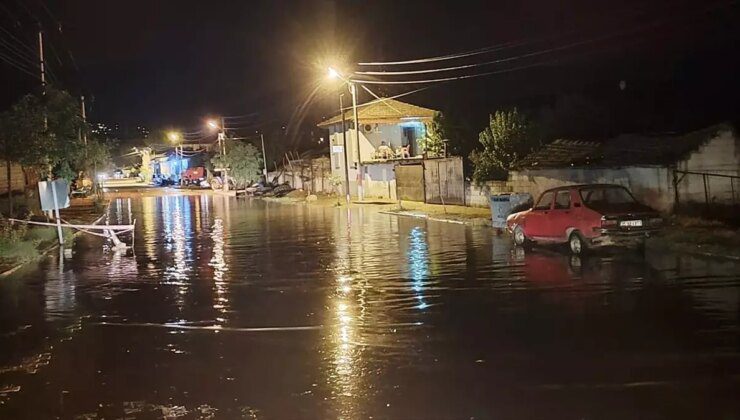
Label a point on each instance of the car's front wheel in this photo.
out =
(577, 244)
(519, 238)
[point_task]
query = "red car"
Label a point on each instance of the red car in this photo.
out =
(585, 216)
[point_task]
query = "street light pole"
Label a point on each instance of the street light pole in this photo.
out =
(360, 174)
(333, 73)
(344, 148)
(223, 153)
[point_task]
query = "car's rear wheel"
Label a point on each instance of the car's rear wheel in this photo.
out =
(577, 244)
(520, 239)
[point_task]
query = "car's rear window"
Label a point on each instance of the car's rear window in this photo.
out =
(597, 196)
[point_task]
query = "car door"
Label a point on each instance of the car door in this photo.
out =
(560, 217)
(537, 224)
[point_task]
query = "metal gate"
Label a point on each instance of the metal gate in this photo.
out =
(410, 182)
(444, 182)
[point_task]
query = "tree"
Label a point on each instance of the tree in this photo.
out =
(242, 161)
(21, 135)
(437, 132)
(44, 132)
(508, 137)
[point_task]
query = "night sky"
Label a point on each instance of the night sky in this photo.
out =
(172, 63)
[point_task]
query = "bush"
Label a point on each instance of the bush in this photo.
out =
(508, 138)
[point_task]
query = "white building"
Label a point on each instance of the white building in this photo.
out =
(399, 125)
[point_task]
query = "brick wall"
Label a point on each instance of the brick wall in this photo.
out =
(477, 195)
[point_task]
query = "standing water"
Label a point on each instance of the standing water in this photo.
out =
(247, 309)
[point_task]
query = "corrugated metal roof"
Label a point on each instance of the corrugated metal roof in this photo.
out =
(384, 111)
(623, 150)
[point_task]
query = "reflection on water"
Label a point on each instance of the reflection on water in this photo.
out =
(418, 257)
(233, 308)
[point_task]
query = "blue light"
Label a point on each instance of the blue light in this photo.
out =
(418, 257)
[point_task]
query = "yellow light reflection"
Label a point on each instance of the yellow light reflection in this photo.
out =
(221, 302)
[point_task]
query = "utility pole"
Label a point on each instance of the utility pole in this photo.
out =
(360, 174)
(84, 119)
(49, 213)
(264, 157)
(41, 62)
(344, 148)
(223, 153)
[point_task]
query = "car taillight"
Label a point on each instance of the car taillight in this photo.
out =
(608, 223)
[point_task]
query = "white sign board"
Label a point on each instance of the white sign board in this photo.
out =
(337, 149)
(46, 195)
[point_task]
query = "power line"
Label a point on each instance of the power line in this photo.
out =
(650, 25)
(447, 79)
(242, 116)
(19, 41)
(479, 51)
(18, 66)
(21, 55)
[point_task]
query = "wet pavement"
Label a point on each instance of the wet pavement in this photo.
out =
(237, 309)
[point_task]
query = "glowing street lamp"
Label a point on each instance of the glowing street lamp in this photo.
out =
(212, 124)
(174, 136)
(333, 73)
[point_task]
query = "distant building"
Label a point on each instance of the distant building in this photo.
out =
(390, 131)
(698, 168)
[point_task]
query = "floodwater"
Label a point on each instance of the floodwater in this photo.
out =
(245, 309)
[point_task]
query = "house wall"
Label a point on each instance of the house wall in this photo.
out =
(653, 185)
(650, 185)
(478, 195)
(379, 178)
(721, 155)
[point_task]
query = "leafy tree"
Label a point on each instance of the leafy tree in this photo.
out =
(64, 126)
(437, 132)
(242, 161)
(43, 132)
(22, 137)
(508, 137)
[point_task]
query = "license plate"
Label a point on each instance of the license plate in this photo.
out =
(631, 223)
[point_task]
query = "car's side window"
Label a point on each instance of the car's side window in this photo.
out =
(562, 200)
(544, 201)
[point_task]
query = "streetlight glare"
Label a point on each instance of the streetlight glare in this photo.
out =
(333, 73)
(212, 124)
(173, 136)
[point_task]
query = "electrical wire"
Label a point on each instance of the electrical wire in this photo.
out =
(650, 25)
(18, 40)
(17, 51)
(242, 116)
(447, 79)
(514, 58)
(17, 65)
(479, 51)
(18, 59)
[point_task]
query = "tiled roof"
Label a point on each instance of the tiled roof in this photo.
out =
(384, 111)
(623, 150)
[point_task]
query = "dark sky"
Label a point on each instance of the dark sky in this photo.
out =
(173, 62)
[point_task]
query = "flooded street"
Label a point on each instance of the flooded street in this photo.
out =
(246, 309)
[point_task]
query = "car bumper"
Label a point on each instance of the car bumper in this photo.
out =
(621, 239)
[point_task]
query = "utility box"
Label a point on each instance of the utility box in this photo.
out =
(502, 205)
